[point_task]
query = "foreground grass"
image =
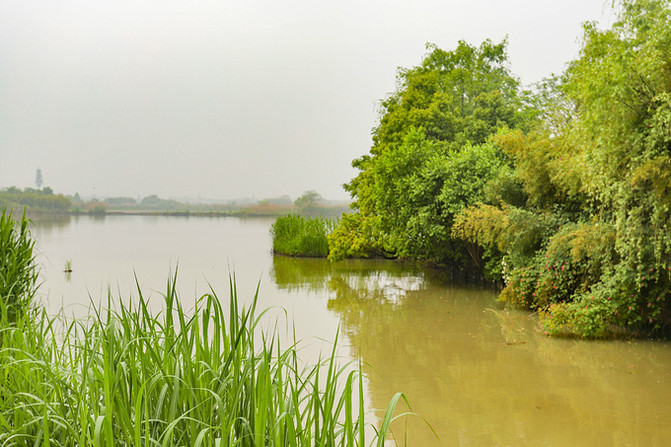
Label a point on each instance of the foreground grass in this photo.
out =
(295, 235)
(128, 377)
(18, 273)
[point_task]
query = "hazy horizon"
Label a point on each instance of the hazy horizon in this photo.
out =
(223, 100)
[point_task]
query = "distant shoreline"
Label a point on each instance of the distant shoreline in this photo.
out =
(167, 213)
(177, 213)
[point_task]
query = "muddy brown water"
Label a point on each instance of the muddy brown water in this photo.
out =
(475, 372)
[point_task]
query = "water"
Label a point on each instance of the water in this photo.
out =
(479, 374)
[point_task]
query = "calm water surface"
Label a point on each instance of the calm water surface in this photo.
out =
(480, 374)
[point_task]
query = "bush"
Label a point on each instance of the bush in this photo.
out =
(18, 272)
(300, 236)
(354, 237)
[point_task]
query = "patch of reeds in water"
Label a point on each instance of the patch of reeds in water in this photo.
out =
(295, 235)
(196, 378)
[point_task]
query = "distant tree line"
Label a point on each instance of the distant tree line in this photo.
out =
(35, 199)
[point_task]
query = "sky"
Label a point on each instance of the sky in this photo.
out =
(228, 99)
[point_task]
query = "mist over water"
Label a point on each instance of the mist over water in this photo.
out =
(224, 100)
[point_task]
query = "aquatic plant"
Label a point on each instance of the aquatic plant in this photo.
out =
(208, 376)
(301, 236)
(18, 272)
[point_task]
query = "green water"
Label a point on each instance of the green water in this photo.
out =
(478, 373)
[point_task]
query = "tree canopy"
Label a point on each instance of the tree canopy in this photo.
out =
(431, 155)
(592, 251)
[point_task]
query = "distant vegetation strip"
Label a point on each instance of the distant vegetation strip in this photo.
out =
(34, 199)
(295, 235)
(128, 377)
(45, 201)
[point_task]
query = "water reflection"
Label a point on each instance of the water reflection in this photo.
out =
(315, 275)
(482, 374)
(50, 222)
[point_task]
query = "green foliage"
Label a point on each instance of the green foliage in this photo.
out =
(202, 377)
(437, 192)
(35, 200)
(354, 237)
(593, 250)
(457, 96)
(431, 156)
(18, 271)
(301, 236)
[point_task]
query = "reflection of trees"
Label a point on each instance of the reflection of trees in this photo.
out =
(314, 274)
(48, 222)
(483, 375)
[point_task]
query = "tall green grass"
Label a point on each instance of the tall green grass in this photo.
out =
(301, 236)
(199, 378)
(18, 272)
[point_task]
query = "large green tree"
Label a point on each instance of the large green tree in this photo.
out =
(431, 155)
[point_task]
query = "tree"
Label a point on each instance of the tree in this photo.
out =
(308, 202)
(430, 154)
(590, 246)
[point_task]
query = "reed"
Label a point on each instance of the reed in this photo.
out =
(204, 377)
(18, 272)
(295, 235)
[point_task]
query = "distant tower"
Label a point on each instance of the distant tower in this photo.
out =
(38, 178)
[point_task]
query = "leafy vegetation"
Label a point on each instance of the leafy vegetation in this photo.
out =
(592, 253)
(18, 273)
(431, 156)
(35, 199)
(295, 235)
(563, 195)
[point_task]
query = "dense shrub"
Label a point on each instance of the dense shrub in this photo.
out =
(592, 252)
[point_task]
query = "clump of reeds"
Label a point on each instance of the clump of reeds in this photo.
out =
(18, 272)
(185, 378)
(301, 236)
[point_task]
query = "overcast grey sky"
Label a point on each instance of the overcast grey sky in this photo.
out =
(226, 99)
